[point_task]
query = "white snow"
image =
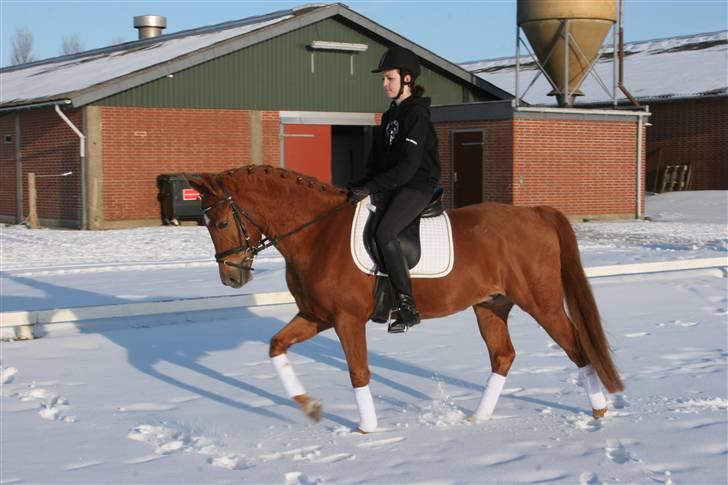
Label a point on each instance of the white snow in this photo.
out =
(171, 400)
(654, 69)
(58, 77)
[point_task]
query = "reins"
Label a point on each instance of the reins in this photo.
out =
(265, 242)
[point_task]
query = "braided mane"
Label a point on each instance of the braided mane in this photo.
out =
(290, 176)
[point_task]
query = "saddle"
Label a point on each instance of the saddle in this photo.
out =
(409, 243)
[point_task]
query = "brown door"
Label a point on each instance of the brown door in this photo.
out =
(468, 166)
(307, 149)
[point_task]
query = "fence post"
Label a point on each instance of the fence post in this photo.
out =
(32, 198)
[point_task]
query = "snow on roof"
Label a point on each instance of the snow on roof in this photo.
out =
(678, 67)
(60, 77)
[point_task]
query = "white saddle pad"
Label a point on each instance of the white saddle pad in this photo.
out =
(437, 254)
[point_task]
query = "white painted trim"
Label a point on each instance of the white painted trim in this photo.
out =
(582, 111)
(63, 315)
(59, 315)
(327, 118)
(657, 267)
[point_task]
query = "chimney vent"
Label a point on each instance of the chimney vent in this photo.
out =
(150, 25)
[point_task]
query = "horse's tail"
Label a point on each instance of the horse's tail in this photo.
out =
(581, 304)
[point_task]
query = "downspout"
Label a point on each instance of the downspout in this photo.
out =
(82, 148)
(19, 201)
(640, 135)
(621, 57)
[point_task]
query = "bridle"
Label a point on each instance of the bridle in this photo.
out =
(246, 247)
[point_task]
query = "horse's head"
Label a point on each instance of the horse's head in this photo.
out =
(234, 237)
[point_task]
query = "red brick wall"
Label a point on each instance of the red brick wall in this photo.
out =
(691, 132)
(580, 167)
(49, 147)
(271, 138)
(141, 143)
(7, 167)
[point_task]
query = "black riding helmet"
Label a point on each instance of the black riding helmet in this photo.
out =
(400, 58)
(403, 59)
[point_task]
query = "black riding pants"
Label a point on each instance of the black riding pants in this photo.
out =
(398, 210)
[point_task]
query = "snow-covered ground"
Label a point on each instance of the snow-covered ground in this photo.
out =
(166, 399)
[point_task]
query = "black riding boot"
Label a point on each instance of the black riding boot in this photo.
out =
(398, 273)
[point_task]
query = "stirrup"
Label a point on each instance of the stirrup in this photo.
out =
(408, 315)
(397, 327)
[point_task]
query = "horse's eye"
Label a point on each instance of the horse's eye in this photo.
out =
(222, 224)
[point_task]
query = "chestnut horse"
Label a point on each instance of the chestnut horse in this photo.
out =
(504, 255)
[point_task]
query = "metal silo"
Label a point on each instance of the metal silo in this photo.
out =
(566, 36)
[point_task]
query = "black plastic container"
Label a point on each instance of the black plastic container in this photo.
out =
(178, 201)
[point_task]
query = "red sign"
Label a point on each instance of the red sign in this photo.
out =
(190, 194)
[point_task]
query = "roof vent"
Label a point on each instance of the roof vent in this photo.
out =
(150, 25)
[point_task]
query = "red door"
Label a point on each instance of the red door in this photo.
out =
(307, 149)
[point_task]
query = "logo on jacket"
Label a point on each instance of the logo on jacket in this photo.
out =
(392, 129)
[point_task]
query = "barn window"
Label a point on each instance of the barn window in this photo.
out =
(324, 45)
(8, 139)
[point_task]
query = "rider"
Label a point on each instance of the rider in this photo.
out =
(402, 172)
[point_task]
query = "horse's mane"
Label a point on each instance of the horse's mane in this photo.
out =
(288, 176)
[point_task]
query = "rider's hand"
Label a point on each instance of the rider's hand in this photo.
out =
(357, 193)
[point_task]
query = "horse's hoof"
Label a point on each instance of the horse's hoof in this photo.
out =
(599, 413)
(313, 409)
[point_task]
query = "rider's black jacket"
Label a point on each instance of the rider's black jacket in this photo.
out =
(404, 152)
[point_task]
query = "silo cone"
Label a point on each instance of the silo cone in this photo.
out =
(589, 22)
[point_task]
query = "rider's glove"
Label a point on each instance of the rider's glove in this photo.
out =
(357, 193)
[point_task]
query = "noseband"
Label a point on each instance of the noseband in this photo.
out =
(246, 247)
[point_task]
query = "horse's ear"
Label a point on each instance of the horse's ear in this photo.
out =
(202, 182)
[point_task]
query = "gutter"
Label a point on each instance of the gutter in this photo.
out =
(43, 104)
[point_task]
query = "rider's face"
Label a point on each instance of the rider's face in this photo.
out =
(391, 82)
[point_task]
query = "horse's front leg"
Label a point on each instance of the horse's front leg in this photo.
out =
(298, 330)
(352, 334)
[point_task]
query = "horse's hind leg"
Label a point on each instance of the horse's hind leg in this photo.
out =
(492, 322)
(556, 322)
(297, 330)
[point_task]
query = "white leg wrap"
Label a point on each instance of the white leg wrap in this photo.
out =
(285, 372)
(591, 385)
(490, 396)
(367, 414)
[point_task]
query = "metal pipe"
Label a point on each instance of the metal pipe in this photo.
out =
(565, 101)
(82, 149)
(19, 203)
(639, 167)
(621, 56)
(615, 72)
(518, 59)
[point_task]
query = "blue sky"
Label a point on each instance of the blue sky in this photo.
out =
(457, 30)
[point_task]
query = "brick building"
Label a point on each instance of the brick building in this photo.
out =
(277, 89)
(587, 163)
(293, 88)
(682, 80)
